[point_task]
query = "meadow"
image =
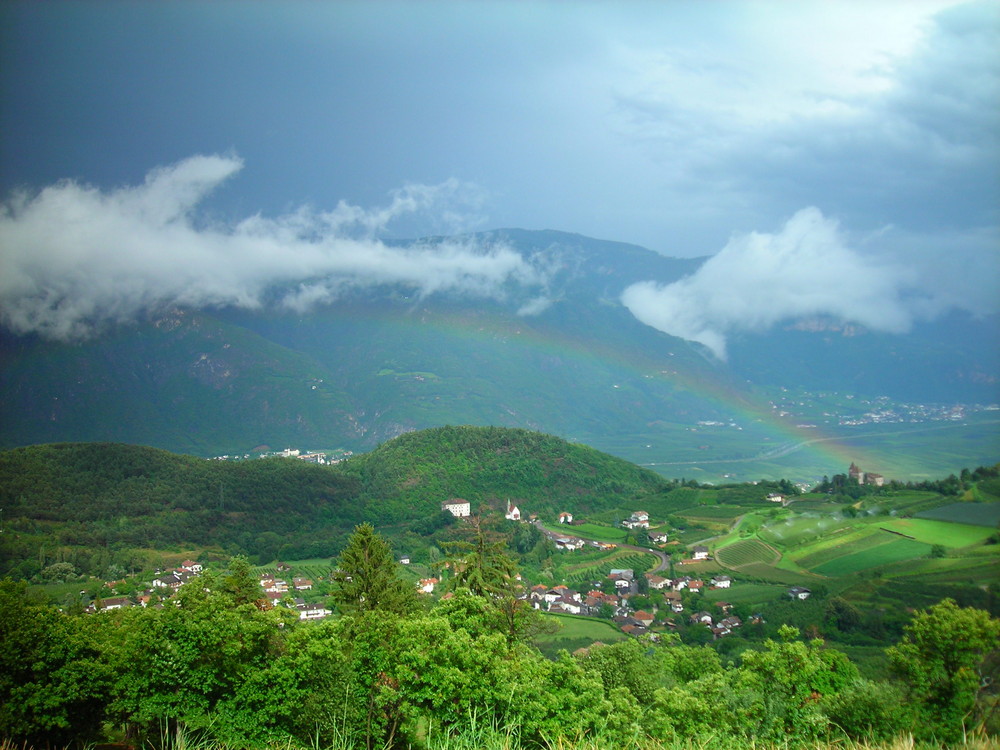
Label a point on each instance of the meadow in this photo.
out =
(593, 531)
(893, 551)
(939, 532)
(575, 632)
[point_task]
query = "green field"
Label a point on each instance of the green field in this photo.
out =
(714, 512)
(797, 530)
(747, 593)
(822, 552)
(939, 532)
(592, 531)
(773, 574)
(745, 552)
(896, 550)
(576, 632)
(976, 514)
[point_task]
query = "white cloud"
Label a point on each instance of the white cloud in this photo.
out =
(806, 269)
(76, 257)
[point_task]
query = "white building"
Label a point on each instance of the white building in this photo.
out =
(457, 507)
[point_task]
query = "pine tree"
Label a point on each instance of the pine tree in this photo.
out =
(367, 580)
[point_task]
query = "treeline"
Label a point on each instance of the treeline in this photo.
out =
(218, 665)
(987, 477)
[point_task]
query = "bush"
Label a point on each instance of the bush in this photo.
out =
(866, 710)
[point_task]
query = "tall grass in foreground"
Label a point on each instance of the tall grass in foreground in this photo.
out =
(505, 738)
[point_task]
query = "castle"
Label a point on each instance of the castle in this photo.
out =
(864, 477)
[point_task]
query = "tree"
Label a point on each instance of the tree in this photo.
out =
(53, 681)
(941, 658)
(367, 580)
(481, 565)
(240, 582)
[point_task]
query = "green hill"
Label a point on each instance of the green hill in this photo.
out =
(490, 465)
(95, 504)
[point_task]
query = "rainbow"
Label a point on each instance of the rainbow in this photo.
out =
(828, 451)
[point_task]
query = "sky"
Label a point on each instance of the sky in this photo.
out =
(197, 153)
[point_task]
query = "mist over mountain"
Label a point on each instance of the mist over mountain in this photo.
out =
(563, 356)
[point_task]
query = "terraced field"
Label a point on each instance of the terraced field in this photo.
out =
(747, 552)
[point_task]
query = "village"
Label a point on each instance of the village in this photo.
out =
(645, 604)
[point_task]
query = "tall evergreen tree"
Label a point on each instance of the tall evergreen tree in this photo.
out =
(367, 580)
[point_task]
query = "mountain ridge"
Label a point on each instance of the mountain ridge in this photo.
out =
(377, 363)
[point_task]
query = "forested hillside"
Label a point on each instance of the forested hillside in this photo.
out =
(98, 504)
(491, 465)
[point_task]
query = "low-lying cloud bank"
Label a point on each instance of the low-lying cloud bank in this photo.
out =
(807, 269)
(76, 257)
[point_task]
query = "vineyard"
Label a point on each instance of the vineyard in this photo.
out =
(594, 570)
(747, 552)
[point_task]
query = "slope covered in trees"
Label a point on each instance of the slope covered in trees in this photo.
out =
(90, 503)
(489, 465)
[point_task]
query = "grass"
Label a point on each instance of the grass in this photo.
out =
(894, 551)
(747, 551)
(746, 593)
(592, 531)
(976, 514)
(576, 632)
(939, 532)
(858, 541)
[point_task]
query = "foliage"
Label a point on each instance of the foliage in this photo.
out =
(367, 580)
(52, 680)
(488, 466)
(941, 659)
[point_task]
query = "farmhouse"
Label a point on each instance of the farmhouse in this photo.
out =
(565, 518)
(798, 592)
(700, 552)
(658, 537)
(513, 512)
(722, 582)
(657, 582)
(638, 520)
(310, 611)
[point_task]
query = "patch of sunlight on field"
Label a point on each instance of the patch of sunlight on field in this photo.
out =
(939, 532)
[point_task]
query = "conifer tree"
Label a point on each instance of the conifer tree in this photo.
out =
(367, 580)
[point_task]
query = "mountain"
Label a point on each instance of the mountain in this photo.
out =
(377, 363)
